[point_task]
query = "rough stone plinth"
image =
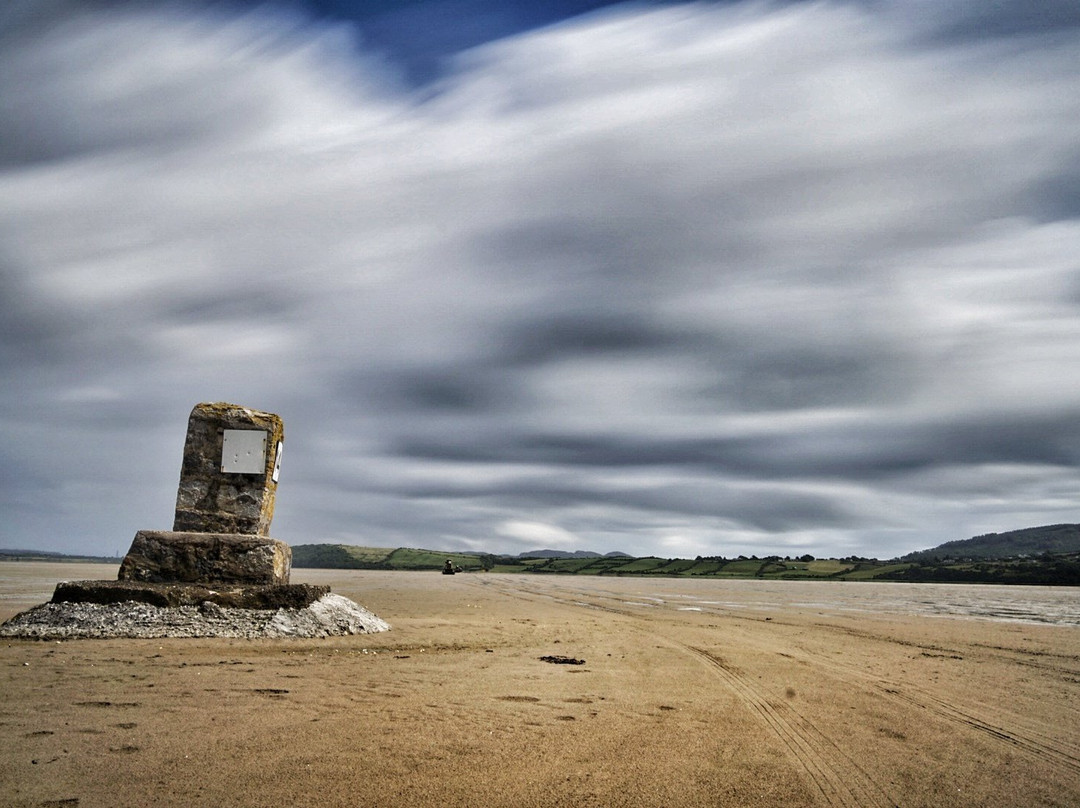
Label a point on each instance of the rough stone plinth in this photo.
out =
(212, 496)
(291, 596)
(159, 556)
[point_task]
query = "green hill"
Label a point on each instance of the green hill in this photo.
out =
(1032, 541)
(1040, 555)
(1030, 557)
(350, 557)
(340, 557)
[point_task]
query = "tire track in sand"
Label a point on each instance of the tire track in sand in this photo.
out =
(1027, 740)
(1062, 757)
(1031, 742)
(836, 777)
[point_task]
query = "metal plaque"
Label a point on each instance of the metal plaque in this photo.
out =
(243, 451)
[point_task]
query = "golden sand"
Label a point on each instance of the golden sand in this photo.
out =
(719, 697)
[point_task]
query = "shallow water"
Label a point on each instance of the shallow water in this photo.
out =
(1019, 604)
(25, 584)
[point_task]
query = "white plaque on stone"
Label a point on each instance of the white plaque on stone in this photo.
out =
(243, 451)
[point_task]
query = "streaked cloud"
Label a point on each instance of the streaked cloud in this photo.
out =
(680, 280)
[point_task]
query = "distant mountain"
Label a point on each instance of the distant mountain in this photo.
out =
(1032, 541)
(559, 554)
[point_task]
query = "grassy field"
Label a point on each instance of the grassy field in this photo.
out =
(1050, 570)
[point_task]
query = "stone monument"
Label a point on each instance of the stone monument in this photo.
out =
(217, 573)
(219, 549)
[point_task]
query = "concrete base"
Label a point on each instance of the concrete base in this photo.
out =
(289, 596)
(159, 556)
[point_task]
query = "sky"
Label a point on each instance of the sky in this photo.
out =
(673, 279)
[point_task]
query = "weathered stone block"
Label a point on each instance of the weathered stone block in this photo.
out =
(228, 480)
(163, 556)
(259, 596)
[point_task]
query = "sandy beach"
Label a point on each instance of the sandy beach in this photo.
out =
(691, 693)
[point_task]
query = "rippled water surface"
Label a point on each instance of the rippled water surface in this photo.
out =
(1028, 604)
(24, 584)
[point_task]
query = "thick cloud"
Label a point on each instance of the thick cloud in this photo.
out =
(682, 280)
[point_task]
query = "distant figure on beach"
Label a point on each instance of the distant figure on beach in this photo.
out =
(449, 568)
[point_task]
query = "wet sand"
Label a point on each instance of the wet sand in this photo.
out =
(729, 701)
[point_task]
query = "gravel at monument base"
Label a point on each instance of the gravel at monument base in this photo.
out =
(330, 616)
